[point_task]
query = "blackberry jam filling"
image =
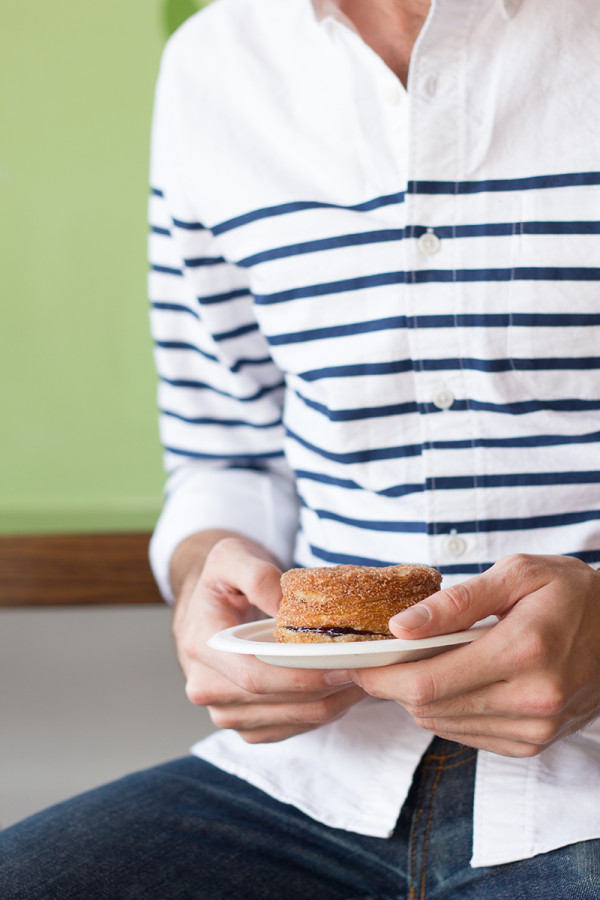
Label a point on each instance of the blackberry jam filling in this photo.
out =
(332, 630)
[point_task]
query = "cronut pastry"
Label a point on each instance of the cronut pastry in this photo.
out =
(348, 603)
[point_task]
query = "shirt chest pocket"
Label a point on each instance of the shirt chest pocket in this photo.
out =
(553, 330)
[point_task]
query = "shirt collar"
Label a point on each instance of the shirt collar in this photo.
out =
(325, 9)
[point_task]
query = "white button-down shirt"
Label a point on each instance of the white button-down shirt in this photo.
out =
(377, 333)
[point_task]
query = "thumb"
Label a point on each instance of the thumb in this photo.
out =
(453, 609)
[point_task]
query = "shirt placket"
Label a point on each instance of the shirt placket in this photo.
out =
(436, 118)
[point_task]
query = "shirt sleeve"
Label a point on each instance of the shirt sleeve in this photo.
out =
(220, 394)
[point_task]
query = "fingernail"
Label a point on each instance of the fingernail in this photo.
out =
(337, 676)
(413, 618)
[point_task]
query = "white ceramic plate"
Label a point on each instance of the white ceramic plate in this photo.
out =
(256, 638)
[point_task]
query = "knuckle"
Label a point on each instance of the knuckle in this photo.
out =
(418, 693)
(542, 733)
(198, 694)
(426, 724)
(222, 717)
(533, 652)
(261, 578)
(521, 568)
(246, 679)
(251, 737)
(458, 597)
(551, 701)
(323, 711)
(188, 647)
(526, 751)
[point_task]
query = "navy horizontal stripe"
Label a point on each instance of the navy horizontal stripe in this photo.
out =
(524, 523)
(203, 386)
(223, 297)
(546, 363)
(534, 440)
(302, 205)
(408, 450)
(332, 243)
(340, 559)
(462, 482)
(359, 369)
(236, 332)
(433, 276)
(525, 407)
(532, 182)
(235, 367)
(587, 556)
(188, 226)
(183, 345)
(400, 490)
(156, 192)
(222, 422)
(507, 229)
(333, 331)
(535, 182)
(351, 457)
(157, 229)
(504, 320)
(469, 527)
(366, 525)
(241, 457)
(199, 261)
(166, 270)
(350, 415)
(451, 365)
(490, 320)
(332, 557)
(174, 307)
(445, 232)
(521, 408)
(514, 479)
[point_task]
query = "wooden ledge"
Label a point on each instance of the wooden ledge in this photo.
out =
(76, 569)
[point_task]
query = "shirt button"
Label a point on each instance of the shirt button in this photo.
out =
(455, 545)
(443, 399)
(429, 243)
(393, 96)
(431, 86)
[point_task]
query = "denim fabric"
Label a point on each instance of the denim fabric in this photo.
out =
(186, 830)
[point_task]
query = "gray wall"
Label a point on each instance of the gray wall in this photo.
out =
(86, 695)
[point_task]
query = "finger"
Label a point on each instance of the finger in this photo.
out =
(494, 745)
(218, 692)
(535, 733)
(229, 674)
(458, 607)
(274, 733)
(312, 713)
(417, 685)
(254, 574)
(530, 697)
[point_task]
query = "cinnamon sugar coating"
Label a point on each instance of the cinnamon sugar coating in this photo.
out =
(348, 603)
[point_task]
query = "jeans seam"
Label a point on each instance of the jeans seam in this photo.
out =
(427, 831)
(442, 768)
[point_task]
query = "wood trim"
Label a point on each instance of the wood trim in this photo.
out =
(76, 569)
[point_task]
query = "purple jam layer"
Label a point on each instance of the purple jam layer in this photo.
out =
(332, 630)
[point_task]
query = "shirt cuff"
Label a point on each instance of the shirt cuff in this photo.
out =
(260, 505)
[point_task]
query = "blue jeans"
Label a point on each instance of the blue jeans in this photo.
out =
(187, 831)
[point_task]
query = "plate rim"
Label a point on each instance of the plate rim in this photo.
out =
(228, 641)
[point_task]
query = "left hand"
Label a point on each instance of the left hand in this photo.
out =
(531, 680)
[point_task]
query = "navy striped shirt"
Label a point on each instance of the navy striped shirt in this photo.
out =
(376, 312)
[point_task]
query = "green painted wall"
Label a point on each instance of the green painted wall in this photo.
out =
(79, 445)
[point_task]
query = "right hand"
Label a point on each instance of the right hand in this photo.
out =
(239, 583)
